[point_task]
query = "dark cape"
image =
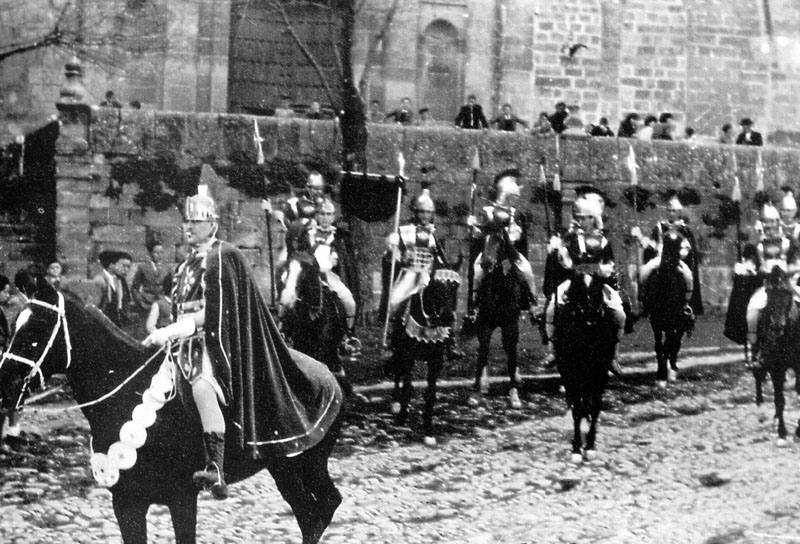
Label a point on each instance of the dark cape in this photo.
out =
(279, 401)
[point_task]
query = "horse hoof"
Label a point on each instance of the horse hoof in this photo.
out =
(474, 400)
(589, 455)
(576, 458)
(513, 398)
(661, 384)
(562, 389)
(781, 443)
(672, 375)
(396, 408)
(430, 441)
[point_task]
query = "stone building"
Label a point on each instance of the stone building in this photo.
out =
(707, 61)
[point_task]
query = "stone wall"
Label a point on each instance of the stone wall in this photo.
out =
(91, 215)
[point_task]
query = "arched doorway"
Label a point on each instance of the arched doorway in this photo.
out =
(440, 68)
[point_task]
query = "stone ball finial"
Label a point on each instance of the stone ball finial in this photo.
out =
(73, 91)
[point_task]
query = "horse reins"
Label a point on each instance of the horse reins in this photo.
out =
(36, 365)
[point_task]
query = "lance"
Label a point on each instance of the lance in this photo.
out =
(401, 163)
(543, 180)
(632, 166)
(257, 139)
(476, 166)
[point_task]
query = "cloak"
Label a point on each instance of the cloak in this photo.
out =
(280, 402)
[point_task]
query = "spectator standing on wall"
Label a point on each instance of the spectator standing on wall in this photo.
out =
(375, 114)
(53, 274)
(748, 136)
(648, 129)
(573, 124)
(470, 115)
(284, 110)
(508, 120)
(602, 129)
(629, 126)
(425, 118)
(403, 115)
(314, 111)
(558, 118)
(665, 128)
(726, 134)
(110, 101)
(542, 126)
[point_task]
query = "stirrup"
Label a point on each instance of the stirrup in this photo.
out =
(211, 479)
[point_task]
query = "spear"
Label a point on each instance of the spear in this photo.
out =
(736, 198)
(258, 140)
(633, 168)
(476, 166)
(543, 181)
(401, 163)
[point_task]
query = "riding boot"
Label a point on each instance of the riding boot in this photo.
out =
(211, 477)
(613, 365)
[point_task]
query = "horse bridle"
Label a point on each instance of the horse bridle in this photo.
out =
(36, 366)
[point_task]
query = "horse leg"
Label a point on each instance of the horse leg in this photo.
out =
(759, 374)
(595, 406)
(672, 346)
(131, 516)
(510, 338)
(404, 368)
(435, 364)
(661, 370)
(484, 335)
(778, 377)
(577, 438)
(183, 511)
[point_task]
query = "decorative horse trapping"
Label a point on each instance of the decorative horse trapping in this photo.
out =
(133, 434)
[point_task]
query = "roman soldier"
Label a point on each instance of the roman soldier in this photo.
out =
(676, 222)
(586, 255)
(788, 212)
(229, 350)
(495, 222)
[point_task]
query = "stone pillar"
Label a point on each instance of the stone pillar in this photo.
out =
(74, 168)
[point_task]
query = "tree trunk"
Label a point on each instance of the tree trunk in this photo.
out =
(353, 116)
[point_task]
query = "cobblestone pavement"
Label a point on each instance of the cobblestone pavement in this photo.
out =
(695, 464)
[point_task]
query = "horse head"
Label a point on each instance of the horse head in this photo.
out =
(302, 284)
(780, 312)
(440, 297)
(40, 348)
(671, 252)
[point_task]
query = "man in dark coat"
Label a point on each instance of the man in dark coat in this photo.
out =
(278, 402)
(115, 295)
(508, 120)
(471, 115)
(748, 136)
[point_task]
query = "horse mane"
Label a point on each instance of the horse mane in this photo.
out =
(780, 312)
(99, 321)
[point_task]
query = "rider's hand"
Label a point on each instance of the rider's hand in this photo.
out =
(158, 338)
(393, 240)
(472, 220)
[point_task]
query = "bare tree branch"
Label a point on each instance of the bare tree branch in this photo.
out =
(372, 50)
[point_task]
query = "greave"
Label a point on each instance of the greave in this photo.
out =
(212, 477)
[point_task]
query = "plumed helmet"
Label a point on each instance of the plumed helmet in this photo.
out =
(589, 204)
(788, 202)
(326, 205)
(674, 204)
(505, 183)
(315, 181)
(200, 207)
(306, 209)
(424, 202)
(769, 213)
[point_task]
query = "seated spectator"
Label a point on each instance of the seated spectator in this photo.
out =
(573, 124)
(748, 136)
(508, 121)
(471, 116)
(110, 101)
(726, 134)
(665, 128)
(424, 118)
(557, 119)
(135, 105)
(115, 296)
(629, 126)
(542, 126)
(315, 111)
(375, 114)
(646, 132)
(284, 110)
(402, 115)
(601, 129)
(688, 133)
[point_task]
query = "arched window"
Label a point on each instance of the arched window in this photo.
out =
(440, 69)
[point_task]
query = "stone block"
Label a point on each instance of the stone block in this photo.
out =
(111, 215)
(118, 234)
(69, 215)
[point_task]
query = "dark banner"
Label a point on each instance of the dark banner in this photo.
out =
(370, 197)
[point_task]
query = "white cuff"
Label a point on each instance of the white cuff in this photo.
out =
(183, 328)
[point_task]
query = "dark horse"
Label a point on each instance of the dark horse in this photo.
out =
(778, 340)
(102, 372)
(312, 316)
(664, 296)
(501, 296)
(584, 339)
(421, 333)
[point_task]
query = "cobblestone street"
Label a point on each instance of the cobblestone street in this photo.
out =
(696, 464)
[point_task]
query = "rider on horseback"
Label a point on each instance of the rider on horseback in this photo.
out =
(788, 211)
(774, 249)
(503, 219)
(586, 255)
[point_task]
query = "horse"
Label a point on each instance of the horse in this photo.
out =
(313, 317)
(422, 332)
(500, 298)
(584, 341)
(664, 298)
(108, 371)
(778, 341)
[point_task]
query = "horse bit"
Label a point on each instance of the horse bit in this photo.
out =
(36, 366)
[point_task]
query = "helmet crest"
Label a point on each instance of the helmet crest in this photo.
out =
(200, 207)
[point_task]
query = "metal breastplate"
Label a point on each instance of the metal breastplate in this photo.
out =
(773, 251)
(586, 251)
